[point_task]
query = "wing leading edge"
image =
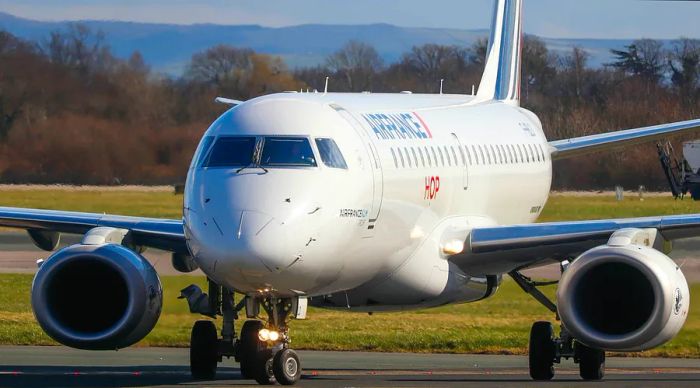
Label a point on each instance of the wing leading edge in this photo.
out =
(501, 249)
(561, 149)
(151, 232)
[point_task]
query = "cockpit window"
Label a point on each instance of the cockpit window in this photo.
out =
(287, 151)
(330, 154)
(231, 151)
(202, 151)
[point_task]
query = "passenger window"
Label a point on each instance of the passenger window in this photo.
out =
(415, 157)
(447, 156)
(408, 157)
(202, 151)
(511, 153)
(330, 153)
(396, 162)
(491, 154)
(461, 154)
(532, 154)
(288, 151)
(437, 162)
(403, 164)
(422, 157)
(231, 151)
(483, 157)
(544, 154)
(520, 153)
(427, 156)
(454, 156)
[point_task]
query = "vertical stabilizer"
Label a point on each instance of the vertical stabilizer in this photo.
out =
(501, 79)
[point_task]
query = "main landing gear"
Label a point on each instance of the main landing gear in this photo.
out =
(262, 348)
(546, 349)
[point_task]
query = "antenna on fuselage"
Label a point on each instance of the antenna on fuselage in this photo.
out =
(473, 89)
(442, 81)
(325, 88)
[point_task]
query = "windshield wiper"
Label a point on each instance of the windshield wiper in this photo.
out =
(252, 165)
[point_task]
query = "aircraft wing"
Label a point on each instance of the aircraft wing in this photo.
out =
(582, 145)
(501, 249)
(150, 232)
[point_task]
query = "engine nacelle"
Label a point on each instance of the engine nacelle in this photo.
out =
(623, 297)
(97, 297)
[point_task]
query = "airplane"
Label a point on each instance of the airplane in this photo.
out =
(374, 203)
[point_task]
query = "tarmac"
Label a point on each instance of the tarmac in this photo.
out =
(161, 367)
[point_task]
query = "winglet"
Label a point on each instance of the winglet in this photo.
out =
(501, 78)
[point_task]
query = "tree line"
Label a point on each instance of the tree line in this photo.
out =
(71, 112)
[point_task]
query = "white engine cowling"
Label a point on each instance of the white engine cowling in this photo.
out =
(97, 297)
(623, 296)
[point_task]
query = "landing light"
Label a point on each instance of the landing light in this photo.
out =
(274, 336)
(268, 335)
(453, 247)
(264, 335)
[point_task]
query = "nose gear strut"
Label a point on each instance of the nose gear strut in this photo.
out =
(263, 356)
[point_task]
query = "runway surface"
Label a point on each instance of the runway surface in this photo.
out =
(63, 367)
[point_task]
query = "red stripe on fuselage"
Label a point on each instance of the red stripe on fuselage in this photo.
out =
(430, 134)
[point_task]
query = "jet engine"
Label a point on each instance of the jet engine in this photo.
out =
(623, 296)
(97, 297)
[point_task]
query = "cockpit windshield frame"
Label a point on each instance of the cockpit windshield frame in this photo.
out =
(308, 150)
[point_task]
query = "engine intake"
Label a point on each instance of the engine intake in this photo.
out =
(97, 297)
(623, 297)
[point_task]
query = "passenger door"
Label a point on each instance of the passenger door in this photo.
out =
(376, 167)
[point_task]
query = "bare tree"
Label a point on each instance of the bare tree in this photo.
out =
(684, 61)
(479, 51)
(220, 65)
(537, 67)
(432, 62)
(356, 63)
(574, 71)
(79, 48)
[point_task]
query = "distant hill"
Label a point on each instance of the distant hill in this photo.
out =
(168, 47)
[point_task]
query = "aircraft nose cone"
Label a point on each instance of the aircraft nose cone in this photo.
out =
(266, 240)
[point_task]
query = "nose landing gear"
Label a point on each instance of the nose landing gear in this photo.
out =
(262, 349)
(264, 352)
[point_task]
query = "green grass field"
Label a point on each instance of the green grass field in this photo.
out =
(498, 325)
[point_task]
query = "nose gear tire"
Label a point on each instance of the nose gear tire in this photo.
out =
(248, 349)
(286, 367)
(264, 374)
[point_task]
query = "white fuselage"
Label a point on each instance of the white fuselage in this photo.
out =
(421, 171)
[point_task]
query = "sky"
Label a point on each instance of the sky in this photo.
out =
(547, 18)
